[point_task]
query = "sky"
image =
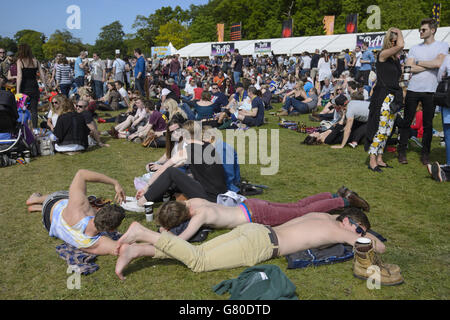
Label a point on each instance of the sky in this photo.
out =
(46, 16)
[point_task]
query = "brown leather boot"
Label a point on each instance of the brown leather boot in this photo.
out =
(366, 257)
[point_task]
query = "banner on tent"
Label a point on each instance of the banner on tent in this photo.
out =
(221, 49)
(375, 40)
(263, 47)
(161, 52)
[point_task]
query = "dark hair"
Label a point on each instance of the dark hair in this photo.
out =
(119, 82)
(431, 23)
(311, 141)
(138, 50)
(206, 95)
(24, 53)
(172, 213)
(109, 218)
(149, 104)
(355, 214)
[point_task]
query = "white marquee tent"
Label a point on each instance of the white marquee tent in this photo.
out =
(296, 45)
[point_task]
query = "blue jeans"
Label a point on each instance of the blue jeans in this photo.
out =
(140, 84)
(190, 114)
(65, 89)
(98, 88)
(296, 105)
(446, 127)
(79, 81)
(174, 76)
(236, 76)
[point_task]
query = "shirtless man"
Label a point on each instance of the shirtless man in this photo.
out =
(202, 212)
(248, 244)
(69, 216)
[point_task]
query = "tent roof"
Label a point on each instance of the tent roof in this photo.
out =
(295, 45)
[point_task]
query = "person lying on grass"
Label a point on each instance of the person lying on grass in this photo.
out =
(248, 244)
(69, 216)
(201, 212)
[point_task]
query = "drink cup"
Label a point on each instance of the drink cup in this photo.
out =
(148, 208)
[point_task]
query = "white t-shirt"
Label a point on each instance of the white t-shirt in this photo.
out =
(358, 110)
(306, 62)
(123, 93)
(426, 81)
(119, 65)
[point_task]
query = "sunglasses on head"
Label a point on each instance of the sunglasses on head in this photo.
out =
(358, 227)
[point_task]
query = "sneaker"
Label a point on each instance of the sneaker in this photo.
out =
(353, 144)
(436, 172)
(314, 118)
(417, 141)
(429, 169)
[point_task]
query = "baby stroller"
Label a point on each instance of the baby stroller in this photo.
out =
(15, 137)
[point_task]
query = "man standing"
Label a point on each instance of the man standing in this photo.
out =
(425, 60)
(118, 69)
(314, 63)
(139, 71)
(237, 69)
(367, 59)
(174, 69)
(98, 71)
(80, 64)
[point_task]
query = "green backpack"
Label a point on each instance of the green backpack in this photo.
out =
(265, 282)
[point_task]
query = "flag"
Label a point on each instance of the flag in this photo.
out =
(437, 13)
(328, 24)
(235, 32)
(287, 28)
(351, 23)
(220, 32)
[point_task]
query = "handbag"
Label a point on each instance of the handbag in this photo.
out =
(151, 137)
(442, 95)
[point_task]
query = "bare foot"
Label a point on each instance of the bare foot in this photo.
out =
(124, 259)
(34, 198)
(35, 208)
(132, 234)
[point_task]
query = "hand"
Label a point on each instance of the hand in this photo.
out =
(120, 194)
(104, 145)
(337, 147)
(141, 193)
(155, 166)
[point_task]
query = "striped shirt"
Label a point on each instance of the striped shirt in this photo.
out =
(63, 74)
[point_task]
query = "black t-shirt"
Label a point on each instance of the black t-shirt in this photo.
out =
(238, 64)
(202, 163)
(87, 115)
(315, 61)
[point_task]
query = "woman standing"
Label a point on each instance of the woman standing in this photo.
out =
(27, 69)
(386, 92)
(324, 66)
(63, 76)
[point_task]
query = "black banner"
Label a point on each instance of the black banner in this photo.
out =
(287, 29)
(351, 23)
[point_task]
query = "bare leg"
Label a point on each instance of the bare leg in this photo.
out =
(130, 252)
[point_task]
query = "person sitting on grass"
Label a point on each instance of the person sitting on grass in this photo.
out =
(82, 107)
(252, 243)
(132, 121)
(156, 123)
(254, 117)
(201, 212)
(69, 216)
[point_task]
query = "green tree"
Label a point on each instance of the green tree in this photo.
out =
(34, 39)
(109, 39)
(173, 32)
(62, 42)
(8, 44)
(203, 29)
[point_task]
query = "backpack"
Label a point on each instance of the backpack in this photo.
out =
(442, 95)
(265, 282)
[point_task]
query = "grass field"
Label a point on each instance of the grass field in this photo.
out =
(407, 207)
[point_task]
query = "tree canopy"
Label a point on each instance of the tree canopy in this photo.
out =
(261, 19)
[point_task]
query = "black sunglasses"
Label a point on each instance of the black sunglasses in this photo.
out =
(422, 30)
(358, 227)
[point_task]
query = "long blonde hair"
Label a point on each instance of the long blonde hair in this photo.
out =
(172, 107)
(387, 41)
(64, 104)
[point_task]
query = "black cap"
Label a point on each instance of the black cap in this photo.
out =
(239, 85)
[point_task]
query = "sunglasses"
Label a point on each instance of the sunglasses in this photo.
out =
(2, 51)
(358, 227)
(422, 30)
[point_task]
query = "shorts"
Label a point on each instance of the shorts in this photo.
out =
(48, 205)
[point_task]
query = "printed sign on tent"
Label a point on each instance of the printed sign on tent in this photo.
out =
(221, 49)
(375, 40)
(262, 47)
(161, 52)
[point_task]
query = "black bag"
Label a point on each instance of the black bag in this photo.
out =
(442, 95)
